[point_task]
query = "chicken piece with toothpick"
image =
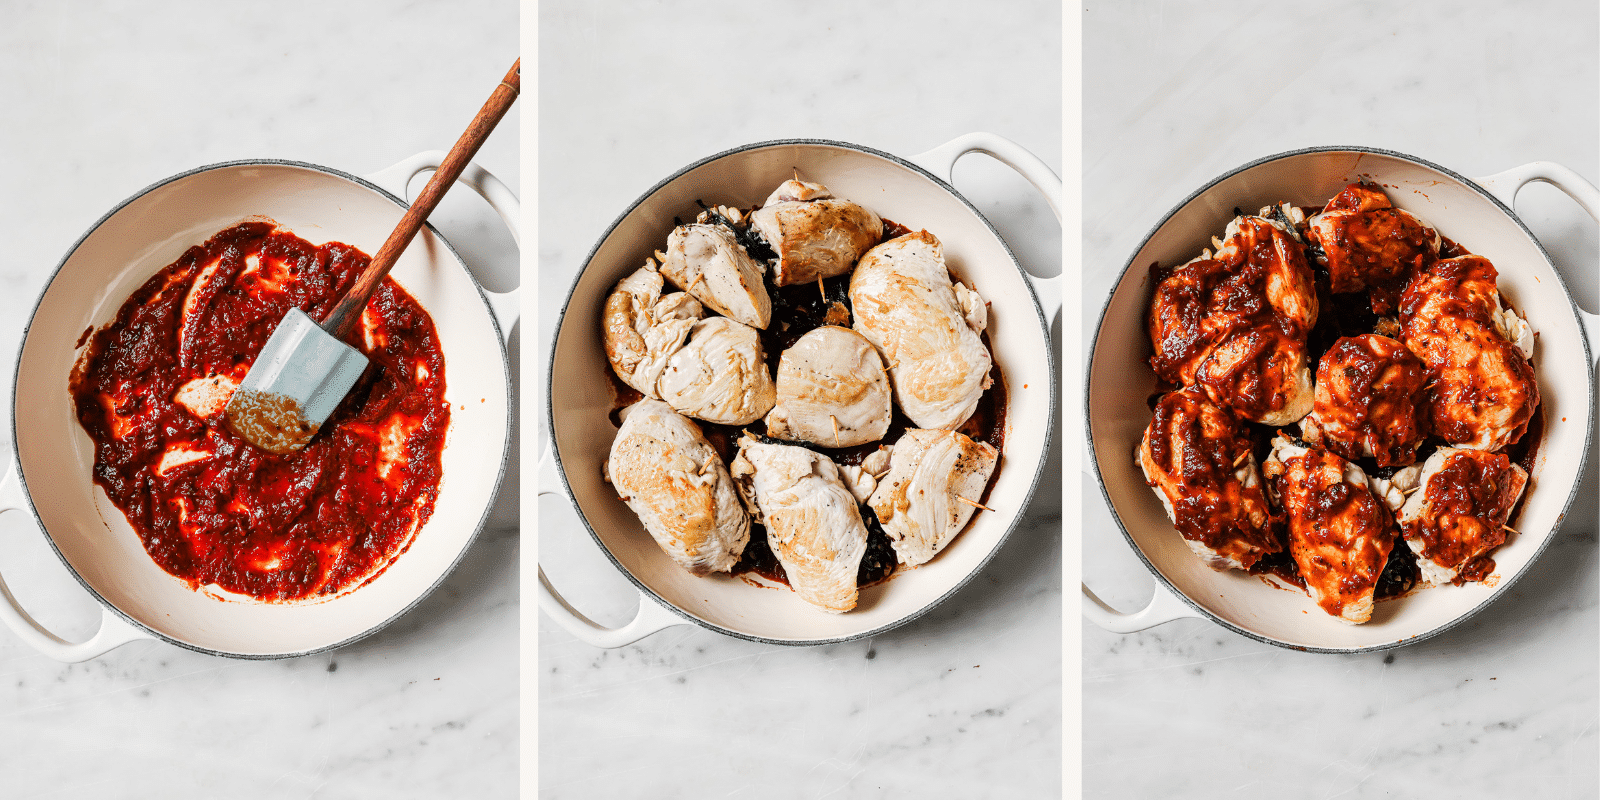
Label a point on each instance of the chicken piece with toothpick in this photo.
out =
(814, 234)
(1371, 400)
(707, 260)
(1340, 531)
(1197, 457)
(832, 391)
(813, 523)
(936, 479)
(1459, 513)
(720, 375)
(925, 326)
(1368, 244)
(1235, 322)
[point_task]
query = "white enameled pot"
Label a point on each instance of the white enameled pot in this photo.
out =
(1478, 215)
(913, 192)
(50, 476)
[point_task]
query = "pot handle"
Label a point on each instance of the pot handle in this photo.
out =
(1164, 607)
(1505, 185)
(650, 618)
(941, 161)
(507, 306)
(114, 630)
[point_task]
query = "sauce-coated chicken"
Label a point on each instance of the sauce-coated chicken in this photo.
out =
(665, 470)
(1459, 514)
(904, 303)
(832, 391)
(814, 234)
(1340, 532)
(813, 523)
(1484, 392)
(1235, 323)
(1197, 457)
(934, 480)
(1367, 243)
(1370, 401)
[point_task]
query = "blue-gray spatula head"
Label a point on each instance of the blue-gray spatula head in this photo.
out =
(300, 377)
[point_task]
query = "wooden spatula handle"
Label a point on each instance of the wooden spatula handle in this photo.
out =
(344, 315)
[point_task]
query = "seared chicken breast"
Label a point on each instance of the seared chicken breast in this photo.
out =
(720, 375)
(814, 234)
(1197, 457)
(707, 261)
(1370, 401)
(643, 328)
(832, 391)
(1367, 243)
(813, 523)
(934, 483)
(1484, 392)
(904, 303)
(1459, 513)
(1340, 532)
(1235, 323)
(666, 471)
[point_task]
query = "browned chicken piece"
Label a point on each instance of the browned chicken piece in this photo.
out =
(1459, 514)
(706, 260)
(1197, 457)
(1340, 533)
(643, 328)
(813, 522)
(814, 234)
(832, 390)
(720, 375)
(1484, 392)
(1371, 401)
(1367, 243)
(934, 479)
(927, 328)
(1236, 323)
(664, 469)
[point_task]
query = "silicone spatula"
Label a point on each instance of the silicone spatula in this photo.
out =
(305, 369)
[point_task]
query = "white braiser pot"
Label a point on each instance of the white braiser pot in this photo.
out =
(1478, 215)
(50, 476)
(915, 193)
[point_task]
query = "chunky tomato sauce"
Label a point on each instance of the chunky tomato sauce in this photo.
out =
(211, 508)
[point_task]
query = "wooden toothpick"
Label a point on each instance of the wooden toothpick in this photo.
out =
(972, 503)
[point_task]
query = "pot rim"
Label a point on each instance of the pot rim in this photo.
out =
(16, 452)
(1088, 408)
(1038, 311)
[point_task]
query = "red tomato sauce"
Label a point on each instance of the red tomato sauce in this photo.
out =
(212, 508)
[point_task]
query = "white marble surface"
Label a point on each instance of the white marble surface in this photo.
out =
(100, 101)
(1505, 705)
(962, 703)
